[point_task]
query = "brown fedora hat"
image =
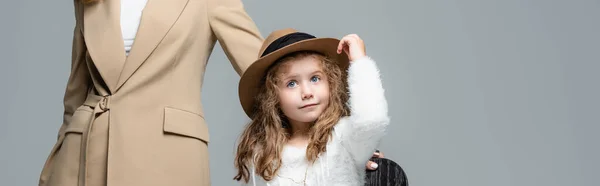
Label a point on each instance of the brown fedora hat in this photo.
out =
(278, 44)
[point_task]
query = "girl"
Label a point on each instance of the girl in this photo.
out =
(308, 126)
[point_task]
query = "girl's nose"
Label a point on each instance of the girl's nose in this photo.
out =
(307, 92)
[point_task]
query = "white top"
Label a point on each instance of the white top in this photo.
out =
(354, 138)
(131, 14)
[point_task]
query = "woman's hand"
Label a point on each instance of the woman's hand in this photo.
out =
(353, 46)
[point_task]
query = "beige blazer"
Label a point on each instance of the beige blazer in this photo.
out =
(138, 120)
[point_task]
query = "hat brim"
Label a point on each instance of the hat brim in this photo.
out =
(250, 82)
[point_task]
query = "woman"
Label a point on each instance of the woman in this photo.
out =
(133, 113)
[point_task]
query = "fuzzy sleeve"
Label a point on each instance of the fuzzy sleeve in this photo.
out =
(362, 131)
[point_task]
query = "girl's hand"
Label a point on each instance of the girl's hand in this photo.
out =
(353, 46)
(372, 165)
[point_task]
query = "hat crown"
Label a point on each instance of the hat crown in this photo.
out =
(274, 36)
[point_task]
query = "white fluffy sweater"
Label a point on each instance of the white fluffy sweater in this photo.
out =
(354, 139)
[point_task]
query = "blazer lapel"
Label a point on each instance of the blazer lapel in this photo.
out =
(102, 33)
(157, 18)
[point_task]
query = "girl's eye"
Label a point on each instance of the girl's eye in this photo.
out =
(292, 84)
(315, 79)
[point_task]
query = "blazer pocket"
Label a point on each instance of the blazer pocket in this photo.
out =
(185, 123)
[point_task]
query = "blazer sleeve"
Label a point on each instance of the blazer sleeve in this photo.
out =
(79, 79)
(236, 32)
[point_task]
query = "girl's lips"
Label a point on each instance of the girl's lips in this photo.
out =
(309, 105)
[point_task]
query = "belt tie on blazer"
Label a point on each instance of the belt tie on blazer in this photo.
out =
(101, 104)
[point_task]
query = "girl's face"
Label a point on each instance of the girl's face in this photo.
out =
(303, 89)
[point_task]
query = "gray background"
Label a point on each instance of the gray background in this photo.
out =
(482, 93)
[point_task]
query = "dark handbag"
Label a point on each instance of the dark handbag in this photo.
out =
(389, 173)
